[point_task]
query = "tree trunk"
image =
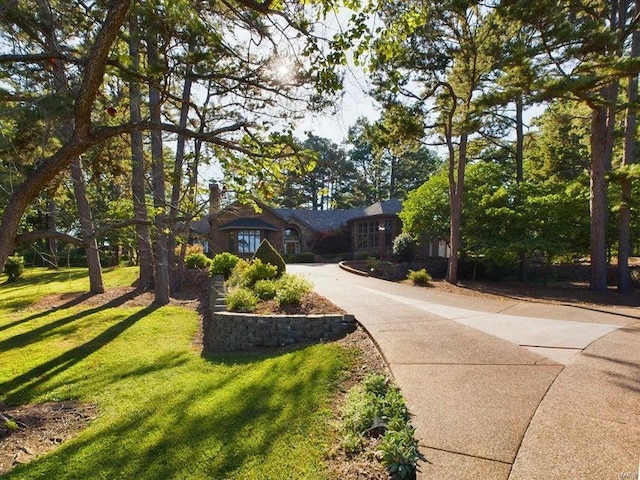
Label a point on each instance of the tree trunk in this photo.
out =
(138, 169)
(456, 191)
(598, 199)
(53, 225)
(86, 227)
(628, 157)
(160, 237)
(522, 254)
(176, 184)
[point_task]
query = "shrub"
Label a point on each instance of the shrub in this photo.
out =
(265, 289)
(399, 451)
(269, 255)
(197, 260)
(224, 263)
(419, 277)
(14, 267)
(247, 273)
(291, 288)
(376, 406)
(241, 300)
(403, 247)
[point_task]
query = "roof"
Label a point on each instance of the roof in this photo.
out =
(387, 207)
(326, 220)
(248, 223)
(200, 227)
(319, 220)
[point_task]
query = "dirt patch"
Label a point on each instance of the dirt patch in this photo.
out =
(29, 431)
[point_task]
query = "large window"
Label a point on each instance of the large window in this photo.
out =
(248, 241)
(367, 235)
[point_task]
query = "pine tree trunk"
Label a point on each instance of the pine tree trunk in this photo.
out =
(160, 237)
(522, 254)
(456, 192)
(53, 225)
(628, 157)
(138, 169)
(176, 184)
(86, 227)
(598, 199)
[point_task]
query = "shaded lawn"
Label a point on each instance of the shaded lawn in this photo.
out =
(166, 412)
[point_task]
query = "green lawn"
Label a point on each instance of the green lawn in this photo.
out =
(166, 412)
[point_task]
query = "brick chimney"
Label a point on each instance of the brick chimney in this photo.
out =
(214, 198)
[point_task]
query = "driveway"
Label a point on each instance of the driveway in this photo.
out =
(504, 389)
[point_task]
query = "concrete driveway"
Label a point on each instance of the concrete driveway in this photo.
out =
(504, 389)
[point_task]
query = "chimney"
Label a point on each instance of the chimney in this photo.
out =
(214, 199)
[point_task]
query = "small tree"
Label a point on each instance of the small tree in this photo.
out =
(270, 255)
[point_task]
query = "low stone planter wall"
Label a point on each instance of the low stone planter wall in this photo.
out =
(229, 331)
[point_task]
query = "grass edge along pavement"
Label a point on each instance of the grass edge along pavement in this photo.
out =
(165, 410)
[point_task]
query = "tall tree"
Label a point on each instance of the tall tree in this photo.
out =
(442, 50)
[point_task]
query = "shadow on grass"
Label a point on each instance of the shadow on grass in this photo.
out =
(230, 415)
(15, 388)
(38, 333)
(70, 304)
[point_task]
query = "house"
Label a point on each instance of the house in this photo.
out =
(239, 228)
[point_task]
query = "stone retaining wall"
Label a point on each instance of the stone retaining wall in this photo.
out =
(230, 331)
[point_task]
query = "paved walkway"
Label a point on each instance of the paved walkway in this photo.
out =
(504, 389)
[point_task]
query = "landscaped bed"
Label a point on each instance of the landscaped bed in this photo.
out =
(153, 405)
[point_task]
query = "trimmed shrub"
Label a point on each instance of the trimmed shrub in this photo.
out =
(269, 255)
(14, 267)
(403, 248)
(197, 260)
(241, 300)
(291, 288)
(419, 277)
(224, 263)
(265, 289)
(246, 274)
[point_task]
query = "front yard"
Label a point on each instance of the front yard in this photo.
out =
(162, 409)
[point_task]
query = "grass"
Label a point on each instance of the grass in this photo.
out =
(165, 410)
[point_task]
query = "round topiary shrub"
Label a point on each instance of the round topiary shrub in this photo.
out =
(224, 263)
(267, 254)
(403, 247)
(14, 267)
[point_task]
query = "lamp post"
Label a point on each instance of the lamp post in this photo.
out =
(381, 232)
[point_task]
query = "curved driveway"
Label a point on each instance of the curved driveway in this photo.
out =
(504, 389)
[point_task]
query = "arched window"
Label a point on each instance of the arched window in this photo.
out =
(291, 240)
